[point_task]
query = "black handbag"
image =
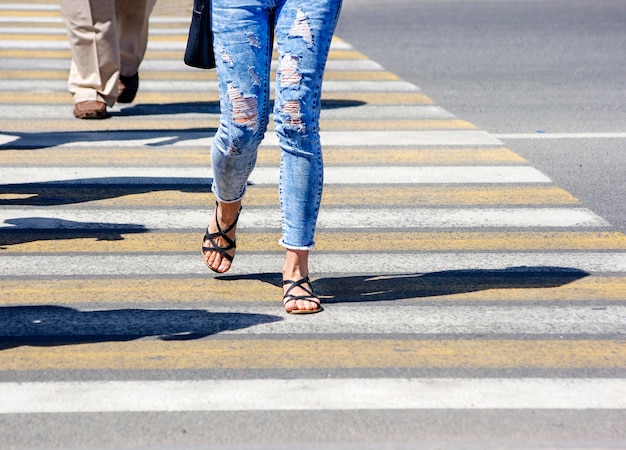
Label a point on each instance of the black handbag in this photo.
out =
(199, 51)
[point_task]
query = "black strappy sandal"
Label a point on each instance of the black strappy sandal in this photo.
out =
(309, 296)
(232, 243)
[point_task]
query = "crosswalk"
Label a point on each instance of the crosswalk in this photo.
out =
(454, 275)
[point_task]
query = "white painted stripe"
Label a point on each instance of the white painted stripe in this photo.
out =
(615, 135)
(60, 31)
(36, 64)
(7, 139)
(181, 138)
(154, 264)
(162, 65)
(458, 218)
(209, 111)
(361, 317)
(28, 7)
(203, 86)
(46, 8)
(420, 175)
(400, 138)
(269, 175)
(13, 20)
(336, 44)
(329, 218)
(312, 394)
(59, 20)
(347, 64)
(43, 44)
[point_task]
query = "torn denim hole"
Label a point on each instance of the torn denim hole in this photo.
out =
(289, 75)
(300, 28)
(256, 80)
(291, 109)
(245, 110)
(226, 58)
(253, 40)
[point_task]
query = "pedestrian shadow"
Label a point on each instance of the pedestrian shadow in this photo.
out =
(35, 229)
(62, 192)
(48, 326)
(380, 288)
(151, 137)
(212, 107)
(160, 109)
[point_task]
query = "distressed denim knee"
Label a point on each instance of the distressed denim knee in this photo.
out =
(234, 147)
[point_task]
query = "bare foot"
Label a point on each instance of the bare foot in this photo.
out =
(219, 243)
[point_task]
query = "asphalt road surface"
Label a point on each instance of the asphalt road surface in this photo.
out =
(531, 68)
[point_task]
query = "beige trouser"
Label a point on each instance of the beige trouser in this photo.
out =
(107, 38)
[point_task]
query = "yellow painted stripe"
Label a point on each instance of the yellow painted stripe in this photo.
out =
(170, 157)
(347, 98)
(32, 74)
(343, 54)
(33, 14)
(99, 241)
(320, 353)
(35, 54)
(33, 37)
(194, 75)
(202, 123)
(206, 290)
(267, 196)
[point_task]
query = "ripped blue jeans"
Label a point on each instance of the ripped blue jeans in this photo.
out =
(243, 32)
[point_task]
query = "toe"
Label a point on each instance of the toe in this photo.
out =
(306, 305)
(290, 306)
(223, 266)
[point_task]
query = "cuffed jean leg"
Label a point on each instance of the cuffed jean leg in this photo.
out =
(241, 32)
(304, 31)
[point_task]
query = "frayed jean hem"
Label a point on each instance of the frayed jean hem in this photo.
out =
(293, 247)
(221, 200)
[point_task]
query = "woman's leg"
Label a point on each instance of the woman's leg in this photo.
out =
(241, 32)
(304, 32)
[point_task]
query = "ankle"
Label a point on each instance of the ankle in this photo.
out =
(227, 212)
(296, 265)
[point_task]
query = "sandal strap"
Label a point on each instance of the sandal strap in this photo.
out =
(230, 227)
(309, 296)
(216, 248)
(231, 243)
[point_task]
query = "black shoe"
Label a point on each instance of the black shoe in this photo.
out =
(127, 88)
